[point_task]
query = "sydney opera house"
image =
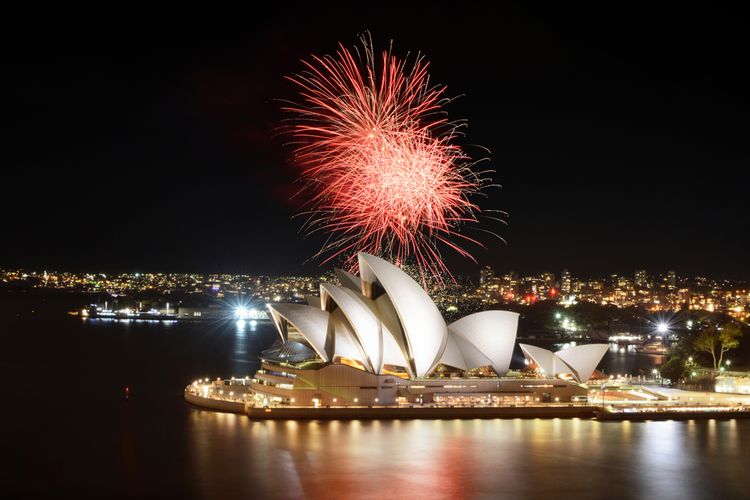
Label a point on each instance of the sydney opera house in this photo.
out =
(378, 339)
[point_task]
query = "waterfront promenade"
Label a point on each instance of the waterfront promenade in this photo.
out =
(674, 405)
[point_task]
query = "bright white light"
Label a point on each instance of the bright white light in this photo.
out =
(662, 328)
(241, 312)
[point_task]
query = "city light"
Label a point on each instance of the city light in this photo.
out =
(242, 312)
(731, 298)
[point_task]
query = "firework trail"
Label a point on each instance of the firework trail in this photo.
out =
(377, 153)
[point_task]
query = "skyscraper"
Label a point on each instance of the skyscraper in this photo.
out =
(641, 278)
(548, 282)
(672, 280)
(566, 283)
(486, 274)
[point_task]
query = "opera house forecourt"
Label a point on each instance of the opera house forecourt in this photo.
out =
(378, 341)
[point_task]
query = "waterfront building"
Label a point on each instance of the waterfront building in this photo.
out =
(577, 361)
(378, 339)
(733, 384)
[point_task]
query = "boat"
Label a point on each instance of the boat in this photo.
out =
(652, 348)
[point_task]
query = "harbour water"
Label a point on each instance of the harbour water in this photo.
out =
(68, 429)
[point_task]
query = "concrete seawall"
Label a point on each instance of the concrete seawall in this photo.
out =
(426, 412)
(361, 413)
(390, 412)
(215, 404)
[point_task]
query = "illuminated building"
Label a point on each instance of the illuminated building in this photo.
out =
(566, 284)
(378, 339)
(578, 361)
(672, 280)
(641, 278)
(486, 274)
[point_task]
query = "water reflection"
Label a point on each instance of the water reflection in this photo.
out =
(240, 359)
(467, 458)
(154, 445)
(626, 360)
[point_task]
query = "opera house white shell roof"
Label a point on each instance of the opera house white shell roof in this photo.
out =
(383, 317)
(580, 361)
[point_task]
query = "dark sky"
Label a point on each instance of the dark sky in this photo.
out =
(137, 141)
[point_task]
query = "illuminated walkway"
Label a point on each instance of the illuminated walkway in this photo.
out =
(700, 396)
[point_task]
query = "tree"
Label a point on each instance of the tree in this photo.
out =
(674, 369)
(718, 340)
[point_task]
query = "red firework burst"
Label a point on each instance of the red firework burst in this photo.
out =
(377, 152)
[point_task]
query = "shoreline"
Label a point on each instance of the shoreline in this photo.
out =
(567, 411)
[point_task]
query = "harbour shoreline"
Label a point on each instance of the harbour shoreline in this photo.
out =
(464, 412)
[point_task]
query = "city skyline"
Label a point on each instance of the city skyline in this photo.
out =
(476, 276)
(156, 147)
(668, 292)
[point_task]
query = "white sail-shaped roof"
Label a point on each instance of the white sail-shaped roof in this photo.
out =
(345, 343)
(313, 300)
(348, 280)
(384, 317)
(452, 355)
(423, 326)
(462, 354)
(493, 333)
(310, 322)
(473, 356)
(392, 328)
(543, 358)
(364, 322)
(392, 353)
(583, 359)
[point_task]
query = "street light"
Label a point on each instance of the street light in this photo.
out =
(662, 328)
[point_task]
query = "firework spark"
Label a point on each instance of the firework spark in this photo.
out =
(378, 153)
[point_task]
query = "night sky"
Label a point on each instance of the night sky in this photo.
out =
(140, 142)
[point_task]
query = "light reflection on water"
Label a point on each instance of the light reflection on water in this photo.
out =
(468, 458)
(94, 443)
